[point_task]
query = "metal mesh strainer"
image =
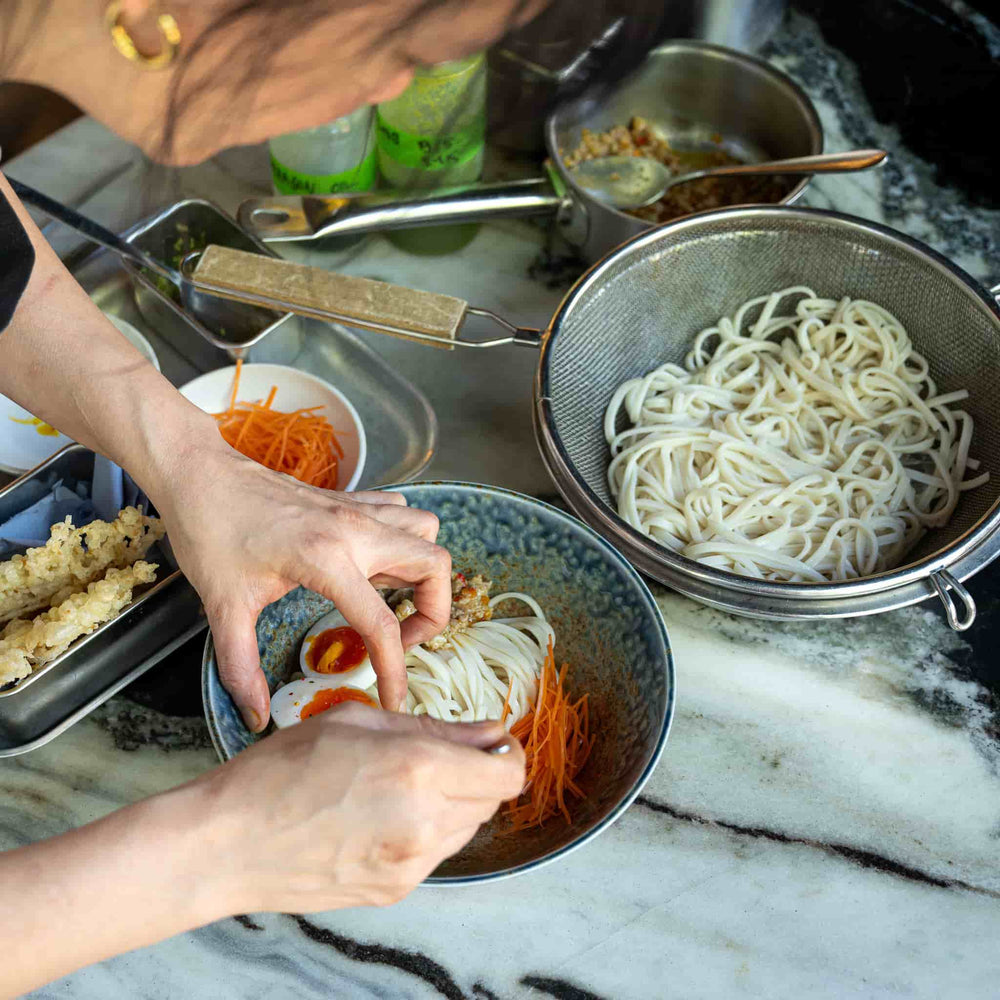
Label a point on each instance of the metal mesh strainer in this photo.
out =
(642, 305)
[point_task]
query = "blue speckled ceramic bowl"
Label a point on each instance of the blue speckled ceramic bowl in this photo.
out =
(607, 626)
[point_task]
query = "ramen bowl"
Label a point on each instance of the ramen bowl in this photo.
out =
(607, 627)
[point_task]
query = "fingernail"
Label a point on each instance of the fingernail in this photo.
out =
(252, 720)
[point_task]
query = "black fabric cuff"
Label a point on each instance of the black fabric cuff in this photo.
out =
(17, 258)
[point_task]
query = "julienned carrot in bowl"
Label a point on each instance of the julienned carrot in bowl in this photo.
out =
(557, 741)
(301, 444)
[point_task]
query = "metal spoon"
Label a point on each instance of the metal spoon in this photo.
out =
(629, 182)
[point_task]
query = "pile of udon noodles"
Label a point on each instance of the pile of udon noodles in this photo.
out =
(83, 576)
(800, 445)
(480, 667)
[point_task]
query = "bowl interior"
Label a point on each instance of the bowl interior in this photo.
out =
(296, 389)
(644, 305)
(607, 626)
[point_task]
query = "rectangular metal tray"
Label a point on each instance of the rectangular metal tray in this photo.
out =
(97, 665)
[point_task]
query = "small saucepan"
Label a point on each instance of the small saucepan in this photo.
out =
(696, 95)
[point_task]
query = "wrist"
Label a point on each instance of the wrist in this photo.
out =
(198, 853)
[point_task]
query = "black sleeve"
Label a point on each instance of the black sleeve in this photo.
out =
(17, 258)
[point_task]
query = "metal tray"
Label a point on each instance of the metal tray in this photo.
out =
(45, 703)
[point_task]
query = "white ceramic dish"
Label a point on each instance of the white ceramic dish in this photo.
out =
(27, 441)
(296, 389)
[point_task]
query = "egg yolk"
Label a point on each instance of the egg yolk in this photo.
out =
(327, 698)
(335, 650)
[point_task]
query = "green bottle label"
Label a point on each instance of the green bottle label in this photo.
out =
(431, 152)
(359, 178)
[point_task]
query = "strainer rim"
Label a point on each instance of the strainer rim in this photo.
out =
(603, 517)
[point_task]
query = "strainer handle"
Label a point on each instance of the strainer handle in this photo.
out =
(427, 317)
(946, 585)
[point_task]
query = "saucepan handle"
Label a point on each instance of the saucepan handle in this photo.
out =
(309, 217)
(428, 317)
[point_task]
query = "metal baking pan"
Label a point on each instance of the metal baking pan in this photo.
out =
(39, 707)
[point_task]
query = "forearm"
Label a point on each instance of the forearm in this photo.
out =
(62, 359)
(135, 877)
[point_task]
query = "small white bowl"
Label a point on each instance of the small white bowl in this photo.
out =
(296, 390)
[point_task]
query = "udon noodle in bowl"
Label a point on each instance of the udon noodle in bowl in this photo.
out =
(533, 576)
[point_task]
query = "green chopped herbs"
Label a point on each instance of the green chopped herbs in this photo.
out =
(184, 242)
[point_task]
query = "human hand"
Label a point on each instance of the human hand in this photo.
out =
(245, 536)
(353, 807)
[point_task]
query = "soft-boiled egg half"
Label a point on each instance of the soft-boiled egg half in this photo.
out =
(301, 699)
(336, 667)
(333, 650)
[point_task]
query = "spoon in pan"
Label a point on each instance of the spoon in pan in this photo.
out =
(630, 182)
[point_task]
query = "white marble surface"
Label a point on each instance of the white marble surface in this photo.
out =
(825, 821)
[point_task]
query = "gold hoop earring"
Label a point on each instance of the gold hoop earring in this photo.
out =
(170, 36)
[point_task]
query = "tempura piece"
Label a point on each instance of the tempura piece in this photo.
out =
(71, 559)
(26, 645)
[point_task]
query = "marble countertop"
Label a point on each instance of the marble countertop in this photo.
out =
(825, 820)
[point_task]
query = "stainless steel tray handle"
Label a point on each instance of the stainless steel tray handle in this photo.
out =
(428, 317)
(946, 585)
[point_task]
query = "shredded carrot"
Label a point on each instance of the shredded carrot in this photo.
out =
(301, 444)
(557, 741)
(506, 701)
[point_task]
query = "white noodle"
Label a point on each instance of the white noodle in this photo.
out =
(468, 680)
(803, 447)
